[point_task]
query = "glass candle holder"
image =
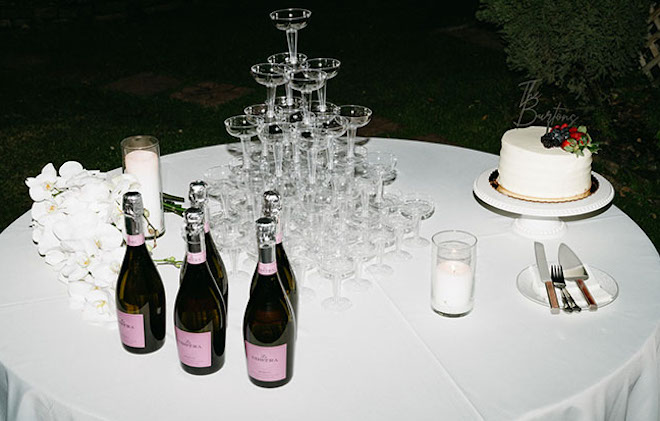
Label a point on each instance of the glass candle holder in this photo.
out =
(141, 158)
(452, 272)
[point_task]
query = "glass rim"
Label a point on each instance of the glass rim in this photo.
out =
(150, 142)
(306, 13)
(471, 239)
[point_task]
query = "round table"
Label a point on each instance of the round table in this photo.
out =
(389, 357)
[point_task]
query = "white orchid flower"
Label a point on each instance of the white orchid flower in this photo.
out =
(56, 258)
(78, 290)
(43, 210)
(123, 183)
(105, 268)
(75, 267)
(69, 169)
(37, 231)
(99, 306)
(48, 241)
(42, 187)
(107, 237)
(75, 231)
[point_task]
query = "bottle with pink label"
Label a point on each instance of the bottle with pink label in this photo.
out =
(269, 326)
(139, 295)
(273, 209)
(200, 323)
(198, 196)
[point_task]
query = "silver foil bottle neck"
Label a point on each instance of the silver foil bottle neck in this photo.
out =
(266, 239)
(194, 229)
(133, 212)
(272, 203)
(198, 193)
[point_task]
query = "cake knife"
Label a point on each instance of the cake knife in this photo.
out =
(574, 271)
(544, 273)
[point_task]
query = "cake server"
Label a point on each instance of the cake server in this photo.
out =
(544, 273)
(574, 271)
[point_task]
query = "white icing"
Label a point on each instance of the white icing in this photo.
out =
(530, 169)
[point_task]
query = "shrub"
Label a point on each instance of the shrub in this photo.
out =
(582, 46)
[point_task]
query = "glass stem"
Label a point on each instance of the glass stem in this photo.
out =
(307, 97)
(321, 94)
(311, 159)
(233, 256)
(364, 201)
(399, 239)
(350, 141)
(246, 153)
(379, 187)
(380, 247)
(417, 221)
(331, 155)
(270, 100)
(292, 43)
(278, 152)
(358, 268)
(289, 94)
(336, 286)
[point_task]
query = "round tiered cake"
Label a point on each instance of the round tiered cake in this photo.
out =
(529, 170)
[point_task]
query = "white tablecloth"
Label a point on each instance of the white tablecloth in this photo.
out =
(389, 357)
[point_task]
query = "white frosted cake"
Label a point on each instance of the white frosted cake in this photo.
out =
(530, 171)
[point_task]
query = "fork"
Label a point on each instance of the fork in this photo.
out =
(557, 276)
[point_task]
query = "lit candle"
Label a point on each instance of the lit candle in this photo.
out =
(452, 287)
(144, 165)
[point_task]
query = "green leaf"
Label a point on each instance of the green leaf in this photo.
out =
(582, 129)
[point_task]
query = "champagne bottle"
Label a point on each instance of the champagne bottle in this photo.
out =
(199, 310)
(139, 295)
(199, 199)
(269, 327)
(273, 209)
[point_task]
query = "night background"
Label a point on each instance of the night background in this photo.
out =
(79, 76)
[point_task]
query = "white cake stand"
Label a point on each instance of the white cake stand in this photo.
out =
(541, 220)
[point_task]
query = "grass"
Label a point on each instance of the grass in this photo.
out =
(55, 105)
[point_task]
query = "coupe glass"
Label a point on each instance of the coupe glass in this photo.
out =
(358, 116)
(220, 180)
(361, 251)
(230, 237)
(381, 238)
(285, 58)
(378, 165)
(243, 127)
(303, 264)
(338, 268)
(307, 81)
(331, 67)
(291, 21)
(399, 224)
(271, 76)
(417, 207)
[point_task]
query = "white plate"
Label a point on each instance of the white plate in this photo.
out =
(601, 285)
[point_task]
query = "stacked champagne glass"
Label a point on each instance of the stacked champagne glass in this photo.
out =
(337, 218)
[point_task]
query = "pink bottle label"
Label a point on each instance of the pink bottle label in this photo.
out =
(207, 227)
(266, 363)
(131, 329)
(196, 258)
(267, 268)
(134, 240)
(194, 348)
